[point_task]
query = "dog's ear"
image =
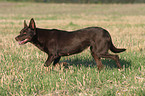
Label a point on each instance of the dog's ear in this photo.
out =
(25, 25)
(32, 24)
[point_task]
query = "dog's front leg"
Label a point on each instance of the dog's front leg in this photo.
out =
(49, 61)
(56, 61)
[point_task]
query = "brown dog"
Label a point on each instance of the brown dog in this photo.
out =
(57, 43)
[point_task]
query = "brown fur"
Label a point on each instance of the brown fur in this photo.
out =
(57, 43)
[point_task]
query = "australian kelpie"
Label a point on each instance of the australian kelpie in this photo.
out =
(57, 43)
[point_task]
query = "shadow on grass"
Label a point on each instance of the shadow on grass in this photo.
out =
(108, 63)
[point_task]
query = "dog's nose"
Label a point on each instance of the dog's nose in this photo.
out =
(16, 38)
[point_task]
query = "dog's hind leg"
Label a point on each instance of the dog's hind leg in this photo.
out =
(114, 57)
(96, 57)
(98, 61)
(56, 61)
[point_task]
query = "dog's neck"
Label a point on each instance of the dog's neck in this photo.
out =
(37, 40)
(37, 43)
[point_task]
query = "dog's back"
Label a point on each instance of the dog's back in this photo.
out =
(57, 43)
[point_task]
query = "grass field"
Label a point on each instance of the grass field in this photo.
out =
(21, 67)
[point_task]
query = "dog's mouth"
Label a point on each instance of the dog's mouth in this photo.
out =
(24, 41)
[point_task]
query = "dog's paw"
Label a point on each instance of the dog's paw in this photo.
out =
(64, 63)
(45, 65)
(100, 67)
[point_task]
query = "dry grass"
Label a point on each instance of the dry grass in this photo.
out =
(22, 71)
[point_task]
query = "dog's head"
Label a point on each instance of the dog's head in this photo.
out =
(27, 33)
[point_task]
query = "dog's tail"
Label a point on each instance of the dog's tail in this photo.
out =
(116, 50)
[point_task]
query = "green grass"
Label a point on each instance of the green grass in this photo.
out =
(21, 67)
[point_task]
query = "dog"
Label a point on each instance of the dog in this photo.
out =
(57, 43)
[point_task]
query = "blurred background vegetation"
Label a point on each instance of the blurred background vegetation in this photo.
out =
(80, 1)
